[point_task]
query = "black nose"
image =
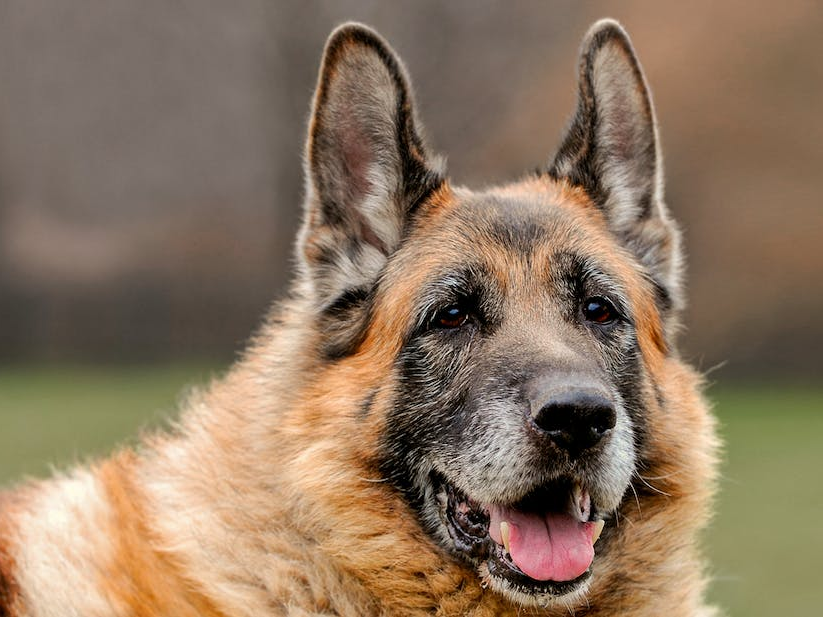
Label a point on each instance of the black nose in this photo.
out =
(575, 420)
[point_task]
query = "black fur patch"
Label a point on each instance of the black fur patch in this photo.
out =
(579, 152)
(345, 321)
(422, 417)
(662, 296)
(367, 404)
(645, 206)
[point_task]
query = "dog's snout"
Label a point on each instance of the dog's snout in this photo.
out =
(575, 419)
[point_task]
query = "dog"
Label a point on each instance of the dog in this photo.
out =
(470, 402)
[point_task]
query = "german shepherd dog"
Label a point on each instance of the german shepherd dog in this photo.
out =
(469, 404)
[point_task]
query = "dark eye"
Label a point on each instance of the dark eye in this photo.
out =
(450, 317)
(599, 310)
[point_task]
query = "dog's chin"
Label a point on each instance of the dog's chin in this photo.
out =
(537, 551)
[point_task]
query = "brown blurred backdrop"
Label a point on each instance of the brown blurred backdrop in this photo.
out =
(150, 158)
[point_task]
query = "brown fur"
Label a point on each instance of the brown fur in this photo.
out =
(269, 499)
(9, 591)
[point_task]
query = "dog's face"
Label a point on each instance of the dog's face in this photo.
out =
(514, 395)
(517, 318)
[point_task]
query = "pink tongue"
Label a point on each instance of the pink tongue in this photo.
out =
(550, 547)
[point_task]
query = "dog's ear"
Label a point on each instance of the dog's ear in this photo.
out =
(611, 150)
(367, 168)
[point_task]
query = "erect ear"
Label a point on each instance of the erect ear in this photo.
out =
(367, 169)
(611, 150)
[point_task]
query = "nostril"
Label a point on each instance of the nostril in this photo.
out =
(576, 420)
(602, 418)
(555, 417)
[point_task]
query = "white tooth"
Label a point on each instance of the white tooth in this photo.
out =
(598, 529)
(504, 533)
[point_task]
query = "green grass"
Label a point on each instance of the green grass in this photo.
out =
(54, 417)
(765, 543)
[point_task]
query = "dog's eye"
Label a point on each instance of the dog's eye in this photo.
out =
(452, 316)
(599, 310)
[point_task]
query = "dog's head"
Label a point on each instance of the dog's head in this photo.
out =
(515, 326)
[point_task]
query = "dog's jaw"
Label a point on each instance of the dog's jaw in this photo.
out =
(476, 534)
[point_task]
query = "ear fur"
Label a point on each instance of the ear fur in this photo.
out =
(611, 150)
(367, 169)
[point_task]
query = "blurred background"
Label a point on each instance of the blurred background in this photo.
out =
(151, 180)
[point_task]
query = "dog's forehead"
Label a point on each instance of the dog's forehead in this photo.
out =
(520, 223)
(511, 225)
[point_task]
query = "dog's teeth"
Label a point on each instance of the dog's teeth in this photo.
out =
(598, 529)
(504, 533)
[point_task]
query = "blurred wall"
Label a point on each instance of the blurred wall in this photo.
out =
(150, 157)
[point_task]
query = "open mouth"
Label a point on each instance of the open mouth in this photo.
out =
(543, 544)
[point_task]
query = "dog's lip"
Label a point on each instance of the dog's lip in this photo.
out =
(501, 566)
(468, 524)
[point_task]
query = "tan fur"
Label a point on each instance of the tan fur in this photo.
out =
(267, 498)
(144, 581)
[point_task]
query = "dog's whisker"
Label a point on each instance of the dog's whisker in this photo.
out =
(653, 488)
(673, 474)
(636, 500)
(373, 480)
